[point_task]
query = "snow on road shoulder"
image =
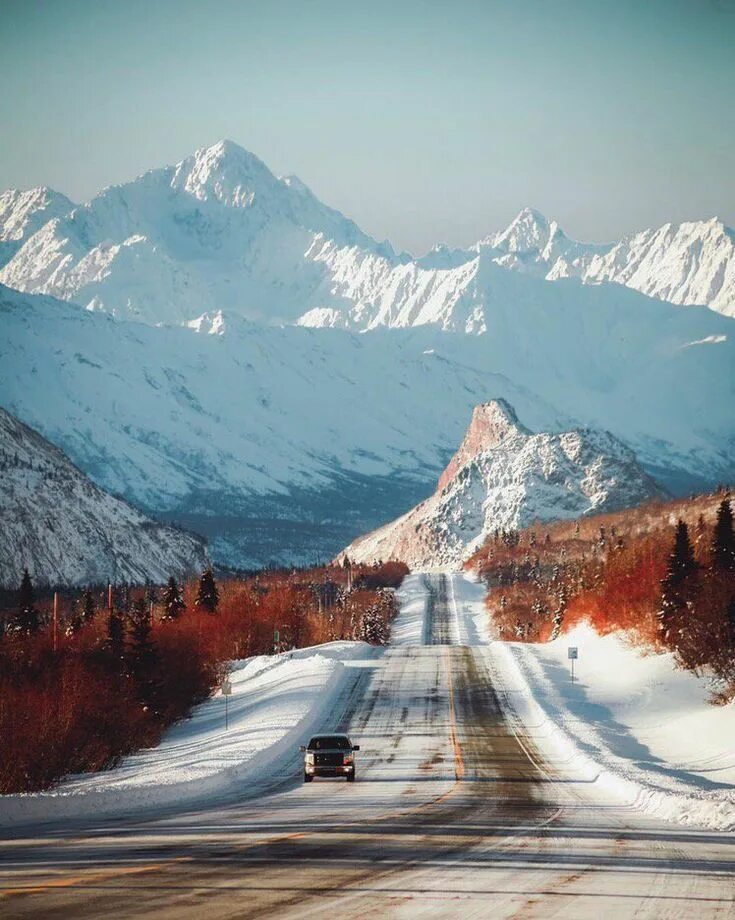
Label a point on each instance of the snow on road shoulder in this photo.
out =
(276, 701)
(467, 597)
(408, 626)
(641, 728)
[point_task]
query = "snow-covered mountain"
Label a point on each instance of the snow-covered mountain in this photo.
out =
(284, 443)
(66, 530)
(22, 213)
(687, 263)
(219, 231)
(203, 381)
(503, 477)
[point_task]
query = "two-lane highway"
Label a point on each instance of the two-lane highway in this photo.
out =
(454, 813)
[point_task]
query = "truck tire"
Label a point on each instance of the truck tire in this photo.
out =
(351, 777)
(308, 777)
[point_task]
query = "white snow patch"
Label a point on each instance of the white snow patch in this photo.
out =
(707, 340)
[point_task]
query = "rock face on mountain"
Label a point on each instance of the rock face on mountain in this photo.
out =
(503, 476)
(66, 530)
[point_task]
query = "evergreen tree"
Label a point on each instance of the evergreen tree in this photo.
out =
(115, 635)
(723, 544)
(27, 619)
(208, 595)
(89, 608)
(142, 657)
(681, 566)
(76, 619)
(173, 602)
(151, 595)
(373, 627)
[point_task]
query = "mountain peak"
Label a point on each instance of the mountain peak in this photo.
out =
(503, 476)
(225, 172)
(529, 231)
(529, 215)
(492, 423)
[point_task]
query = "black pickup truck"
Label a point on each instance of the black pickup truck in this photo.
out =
(329, 755)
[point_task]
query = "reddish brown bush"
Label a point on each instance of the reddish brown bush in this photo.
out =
(608, 570)
(78, 708)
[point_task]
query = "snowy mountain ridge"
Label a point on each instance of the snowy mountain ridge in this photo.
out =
(66, 530)
(306, 438)
(220, 231)
(505, 477)
(23, 213)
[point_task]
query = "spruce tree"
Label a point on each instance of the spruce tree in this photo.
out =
(76, 619)
(173, 602)
(208, 595)
(681, 566)
(27, 619)
(89, 607)
(723, 544)
(142, 657)
(115, 635)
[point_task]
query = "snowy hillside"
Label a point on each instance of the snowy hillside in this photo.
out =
(66, 530)
(219, 231)
(505, 477)
(289, 442)
(22, 213)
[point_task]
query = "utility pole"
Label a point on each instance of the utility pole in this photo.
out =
(56, 620)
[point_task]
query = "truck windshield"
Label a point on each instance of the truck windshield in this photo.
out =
(340, 742)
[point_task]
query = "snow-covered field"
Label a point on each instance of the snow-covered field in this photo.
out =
(634, 723)
(276, 702)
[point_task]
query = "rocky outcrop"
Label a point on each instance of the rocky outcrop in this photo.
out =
(504, 476)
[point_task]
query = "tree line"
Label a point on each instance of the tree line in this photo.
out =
(129, 660)
(671, 584)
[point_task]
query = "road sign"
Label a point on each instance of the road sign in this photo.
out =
(572, 655)
(276, 636)
(226, 691)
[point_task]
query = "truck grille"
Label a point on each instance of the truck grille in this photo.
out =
(328, 759)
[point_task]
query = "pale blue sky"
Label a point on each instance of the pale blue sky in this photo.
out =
(423, 121)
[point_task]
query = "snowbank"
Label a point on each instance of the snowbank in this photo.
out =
(276, 701)
(633, 724)
(408, 626)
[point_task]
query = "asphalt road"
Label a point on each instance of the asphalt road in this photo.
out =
(454, 813)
